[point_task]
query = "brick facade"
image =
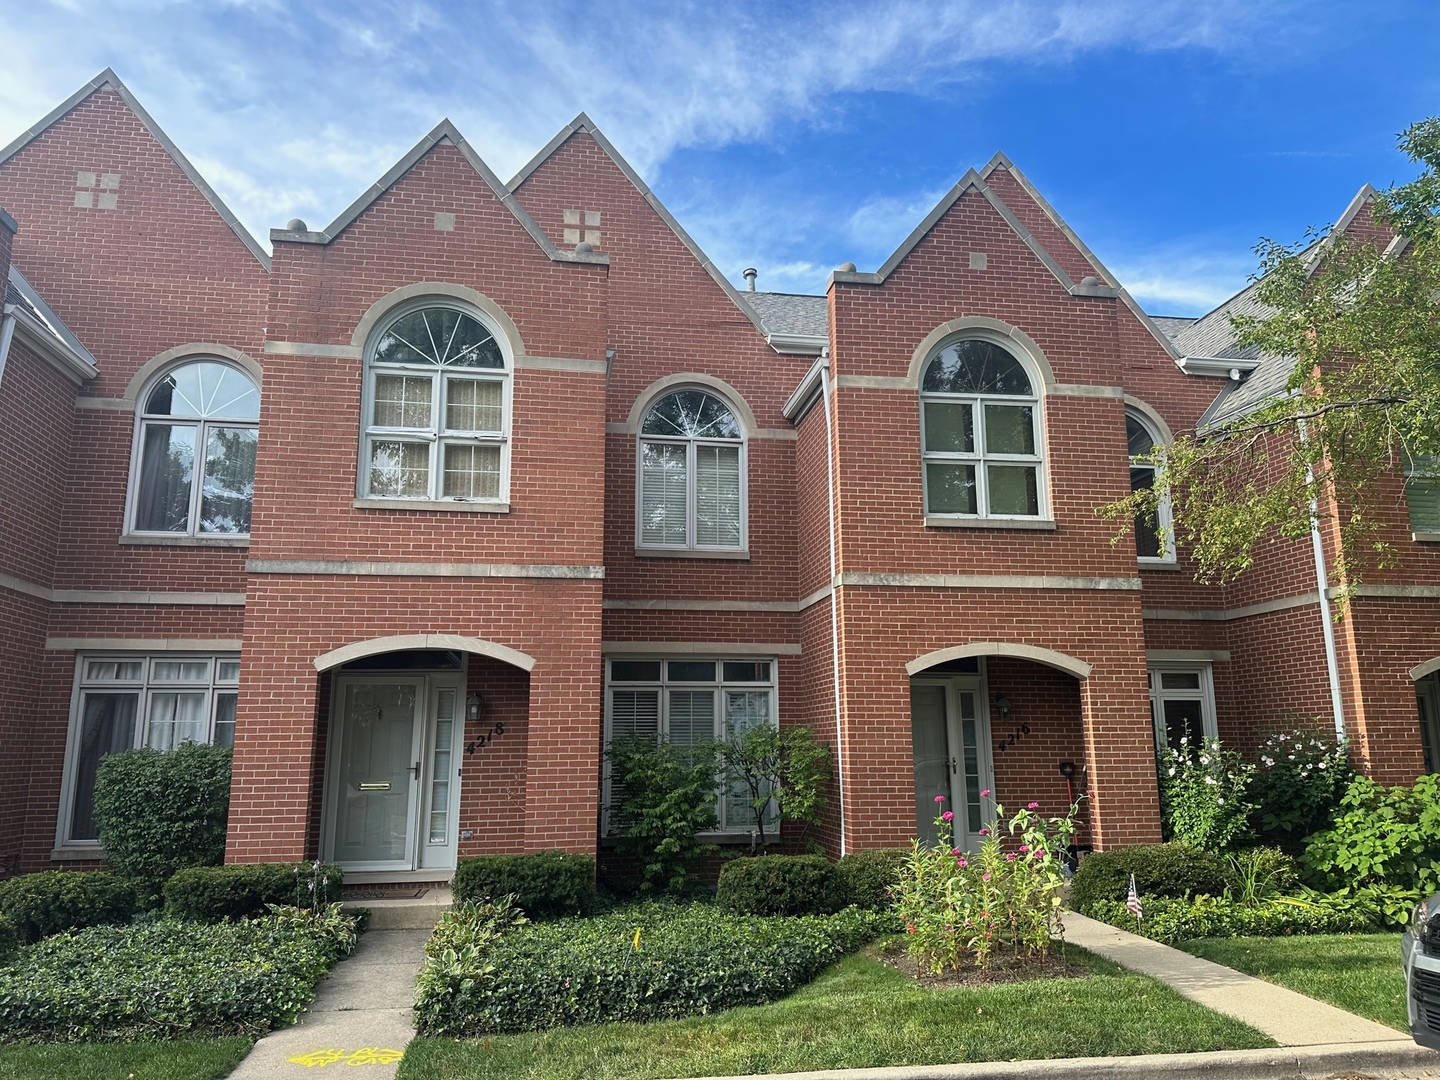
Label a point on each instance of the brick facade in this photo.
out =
(121, 238)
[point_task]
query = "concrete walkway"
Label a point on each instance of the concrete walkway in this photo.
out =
(1289, 1018)
(360, 1016)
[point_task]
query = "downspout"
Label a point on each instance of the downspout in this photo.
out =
(1322, 586)
(834, 599)
(7, 334)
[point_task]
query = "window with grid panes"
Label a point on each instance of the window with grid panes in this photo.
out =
(692, 474)
(436, 421)
(1152, 535)
(687, 701)
(979, 432)
(127, 701)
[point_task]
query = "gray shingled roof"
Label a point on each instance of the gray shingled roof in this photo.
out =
(790, 313)
(23, 296)
(1214, 335)
(1172, 324)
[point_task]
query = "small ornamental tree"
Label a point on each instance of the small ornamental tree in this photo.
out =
(661, 795)
(160, 811)
(784, 768)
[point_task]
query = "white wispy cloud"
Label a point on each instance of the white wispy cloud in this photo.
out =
(1186, 277)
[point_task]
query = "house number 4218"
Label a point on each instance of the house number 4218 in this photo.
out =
(1009, 740)
(483, 740)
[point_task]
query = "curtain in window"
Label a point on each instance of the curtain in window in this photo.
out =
(107, 726)
(167, 463)
(176, 719)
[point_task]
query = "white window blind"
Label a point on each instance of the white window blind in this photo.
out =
(717, 496)
(663, 495)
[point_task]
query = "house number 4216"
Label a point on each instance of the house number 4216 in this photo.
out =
(483, 740)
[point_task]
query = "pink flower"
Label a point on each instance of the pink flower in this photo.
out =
(984, 877)
(1010, 857)
(984, 793)
(1024, 849)
(947, 816)
(956, 851)
(962, 863)
(984, 832)
(939, 798)
(1032, 806)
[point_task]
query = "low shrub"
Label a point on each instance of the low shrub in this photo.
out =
(160, 812)
(38, 905)
(1204, 795)
(208, 893)
(661, 796)
(1300, 778)
(164, 980)
(1172, 920)
(545, 884)
(962, 908)
(645, 963)
(1386, 837)
(1161, 870)
(9, 938)
(868, 876)
(780, 885)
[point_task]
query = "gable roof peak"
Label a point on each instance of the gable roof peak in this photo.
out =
(108, 80)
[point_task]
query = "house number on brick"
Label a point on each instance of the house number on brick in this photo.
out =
(476, 744)
(1010, 740)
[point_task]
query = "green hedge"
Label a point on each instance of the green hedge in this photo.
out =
(38, 905)
(166, 979)
(780, 885)
(867, 876)
(545, 884)
(208, 893)
(638, 964)
(9, 938)
(1208, 916)
(160, 812)
(1161, 870)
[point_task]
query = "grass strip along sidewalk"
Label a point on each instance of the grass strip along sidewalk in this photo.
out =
(178, 1060)
(1359, 973)
(859, 1013)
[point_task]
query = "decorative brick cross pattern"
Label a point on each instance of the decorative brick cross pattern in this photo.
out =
(97, 191)
(573, 234)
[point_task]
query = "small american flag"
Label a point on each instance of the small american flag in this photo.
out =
(1132, 902)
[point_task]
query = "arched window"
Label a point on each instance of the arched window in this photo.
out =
(1152, 535)
(195, 462)
(692, 474)
(979, 435)
(437, 414)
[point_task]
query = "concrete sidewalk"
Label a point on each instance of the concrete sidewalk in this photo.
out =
(1289, 1018)
(361, 1015)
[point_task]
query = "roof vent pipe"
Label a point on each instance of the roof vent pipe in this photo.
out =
(750, 274)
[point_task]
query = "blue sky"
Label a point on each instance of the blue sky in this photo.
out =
(789, 136)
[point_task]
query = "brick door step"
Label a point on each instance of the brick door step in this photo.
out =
(408, 913)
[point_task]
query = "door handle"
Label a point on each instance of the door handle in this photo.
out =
(415, 770)
(954, 765)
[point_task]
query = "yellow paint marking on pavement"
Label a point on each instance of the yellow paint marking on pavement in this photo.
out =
(366, 1055)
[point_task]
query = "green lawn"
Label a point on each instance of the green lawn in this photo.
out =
(859, 1013)
(1358, 972)
(181, 1060)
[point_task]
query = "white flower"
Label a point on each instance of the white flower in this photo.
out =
(1321, 765)
(1220, 802)
(1172, 770)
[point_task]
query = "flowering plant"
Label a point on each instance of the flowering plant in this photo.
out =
(964, 907)
(1301, 777)
(1204, 794)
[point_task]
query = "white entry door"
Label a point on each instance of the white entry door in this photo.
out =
(950, 733)
(393, 782)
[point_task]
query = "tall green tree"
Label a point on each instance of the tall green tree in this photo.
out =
(1356, 316)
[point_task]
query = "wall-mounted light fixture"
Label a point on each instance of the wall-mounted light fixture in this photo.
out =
(1002, 703)
(473, 704)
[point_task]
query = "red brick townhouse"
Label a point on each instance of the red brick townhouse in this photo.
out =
(421, 509)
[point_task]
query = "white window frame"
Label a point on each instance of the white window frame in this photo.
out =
(145, 687)
(663, 686)
(197, 476)
(980, 458)
(691, 492)
(1164, 522)
(1159, 695)
(436, 436)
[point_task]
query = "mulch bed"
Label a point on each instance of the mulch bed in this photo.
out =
(1003, 969)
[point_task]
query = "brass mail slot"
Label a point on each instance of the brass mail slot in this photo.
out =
(377, 786)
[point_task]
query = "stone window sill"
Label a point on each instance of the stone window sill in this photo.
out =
(688, 553)
(1426, 537)
(443, 505)
(1158, 564)
(78, 854)
(933, 521)
(147, 540)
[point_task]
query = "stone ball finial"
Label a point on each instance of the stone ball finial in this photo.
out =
(296, 224)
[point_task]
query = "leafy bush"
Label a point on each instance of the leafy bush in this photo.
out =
(646, 963)
(38, 905)
(786, 769)
(1383, 837)
(164, 980)
(1172, 920)
(545, 884)
(208, 893)
(1161, 870)
(1299, 781)
(780, 885)
(159, 812)
(868, 876)
(1259, 874)
(1203, 795)
(661, 795)
(961, 908)
(9, 938)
